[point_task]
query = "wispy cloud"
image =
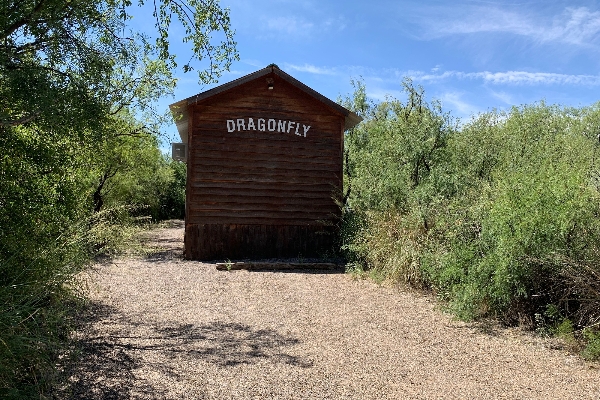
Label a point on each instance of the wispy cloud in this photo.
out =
(394, 76)
(311, 69)
(456, 102)
(299, 26)
(338, 24)
(579, 26)
(289, 25)
(504, 97)
(510, 77)
(253, 62)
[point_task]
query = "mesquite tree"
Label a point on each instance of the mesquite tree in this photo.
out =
(76, 93)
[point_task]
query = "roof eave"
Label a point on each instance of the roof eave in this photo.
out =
(179, 111)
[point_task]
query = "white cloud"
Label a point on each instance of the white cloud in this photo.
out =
(482, 20)
(432, 77)
(299, 26)
(579, 26)
(504, 97)
(253, 62)
(456, 102)
(533, 78)
(311, 69)
(289, 25)
(510, 77)
(338, 24)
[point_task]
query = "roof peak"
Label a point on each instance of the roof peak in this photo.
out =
(180, 107)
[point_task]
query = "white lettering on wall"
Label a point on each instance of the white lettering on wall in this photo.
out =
(306, 128)
(281, 126)
(290, 124)
(230, 125)
(271, 125)
(241, 124)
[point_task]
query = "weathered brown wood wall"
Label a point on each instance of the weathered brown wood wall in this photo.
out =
(260, 194)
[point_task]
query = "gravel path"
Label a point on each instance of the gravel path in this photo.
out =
(165, 328)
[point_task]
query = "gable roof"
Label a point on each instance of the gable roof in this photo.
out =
(180, 108)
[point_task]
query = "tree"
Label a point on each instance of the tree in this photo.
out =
(393, 151)
(60, 60)
(76, 94)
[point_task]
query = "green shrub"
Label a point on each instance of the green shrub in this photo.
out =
(389, 183)
(48, 233)
(539, 208)
(500, 217)
(387, 250)
(592, 346)
(43, 244)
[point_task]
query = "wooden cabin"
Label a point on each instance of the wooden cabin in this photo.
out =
(264, 168)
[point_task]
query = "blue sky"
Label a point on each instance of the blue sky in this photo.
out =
(471, 55)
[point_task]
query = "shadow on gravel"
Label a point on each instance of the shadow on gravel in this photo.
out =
(111, 348)
(164, 249)
(164, 243)
(98, 368)
(164, 255)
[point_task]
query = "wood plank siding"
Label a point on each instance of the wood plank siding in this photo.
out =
(264, 170)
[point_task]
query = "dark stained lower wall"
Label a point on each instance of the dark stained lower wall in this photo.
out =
(222, 242)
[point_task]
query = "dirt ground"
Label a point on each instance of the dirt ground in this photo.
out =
(160, 327)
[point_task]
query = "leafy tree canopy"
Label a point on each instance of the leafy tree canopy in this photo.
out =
(72, 62)
(78, 147)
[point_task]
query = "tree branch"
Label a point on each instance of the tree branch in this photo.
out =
(23, 21)
(21, 121)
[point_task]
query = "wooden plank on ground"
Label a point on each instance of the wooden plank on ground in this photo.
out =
(276, 265)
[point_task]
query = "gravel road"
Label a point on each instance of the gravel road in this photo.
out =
(161, 327)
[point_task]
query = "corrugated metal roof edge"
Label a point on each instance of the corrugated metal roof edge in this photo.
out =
(351, 119)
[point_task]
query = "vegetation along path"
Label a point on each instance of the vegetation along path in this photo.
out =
(166, 328)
